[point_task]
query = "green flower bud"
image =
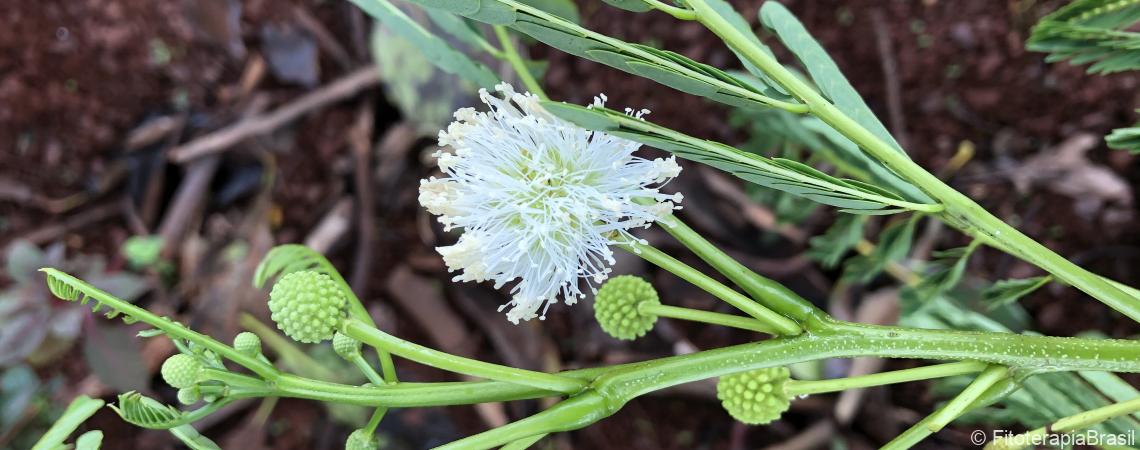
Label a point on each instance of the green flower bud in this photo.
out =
(615, 307)
(181, 371)
(755, 397)
(247, 344)
(348, 348)
(189, 396)
(307, 306)
(361, 440)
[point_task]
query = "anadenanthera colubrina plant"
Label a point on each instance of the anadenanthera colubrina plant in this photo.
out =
(544, 191)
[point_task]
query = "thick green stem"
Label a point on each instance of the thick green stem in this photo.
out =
(524, 443)
(965, 401)
(772, 294)
(782, 324)
(847, 340)
(511, 53)
(1072, 423)
(962, 402)
(960, 209)
(406, 395)
(570, 414)
(694, 315)
(232, 379)
(362, 332)
(800, 387)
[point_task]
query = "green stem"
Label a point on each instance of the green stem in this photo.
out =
(231, 379)
(772, 294)
(923, 428)
(365, 368)
(374, 422)
(782, 324)
(694, 315)
(80, 409)
(511, 53)
(406, 395)
(802, 387)
(913, 435)
(387, 366)
(679, 13)
(570, 414)
(172, 329)
(369, 335)
(847, 340)
(960, 209)
(1072, 423)
(961, 403)
(524, 443)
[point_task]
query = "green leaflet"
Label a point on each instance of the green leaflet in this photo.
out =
(1009, 291)
(944, 272)
(80, 409)
(456, 26)
(536, 19)
(436, 50)
(570, 43)
(828, 248)
(785, 175)
(630, 5)
(725, 10)
(91, 440)
(145, 412)
(822, 69)
(584, 117)
(1125, 139)
(671, 78)
(894, 245)
(1092, 32)
(565, 9)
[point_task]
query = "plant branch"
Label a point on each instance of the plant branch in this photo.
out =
(778, 322)
(961, 211)
(772, 294)
(511, 53)
(801, 387)
(369, 335)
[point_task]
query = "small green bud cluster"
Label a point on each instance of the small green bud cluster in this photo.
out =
(247, 344)
(755, 397)
(348, 348)
(615, 307)
(190, 395)
(361, 440)
(307, 306)
(181, 371)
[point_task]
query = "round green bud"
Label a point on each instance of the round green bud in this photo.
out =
(181, 371)
(348, 348)
(615, 307)
(361, 440)
(189, 396)
(755, 397)
(307, 306)
(247, 344)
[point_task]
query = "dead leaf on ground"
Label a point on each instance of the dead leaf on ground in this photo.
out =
(1066, 170)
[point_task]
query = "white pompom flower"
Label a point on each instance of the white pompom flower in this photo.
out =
(539, 199)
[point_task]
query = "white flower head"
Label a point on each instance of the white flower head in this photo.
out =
(539, 199)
